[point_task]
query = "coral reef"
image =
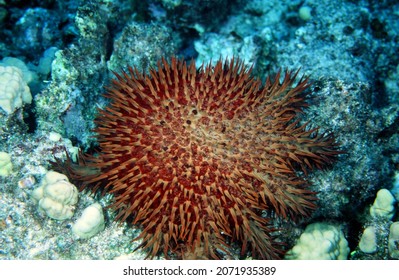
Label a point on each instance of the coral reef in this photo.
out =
(67, 51)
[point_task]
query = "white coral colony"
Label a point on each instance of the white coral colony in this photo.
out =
(56, 196)
(90, 223)
(14, 91)
(320, 241)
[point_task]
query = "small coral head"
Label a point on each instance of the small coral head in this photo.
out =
(195, 156)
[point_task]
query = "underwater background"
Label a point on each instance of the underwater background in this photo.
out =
(57, 56)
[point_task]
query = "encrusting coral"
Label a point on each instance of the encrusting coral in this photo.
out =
(194, 156)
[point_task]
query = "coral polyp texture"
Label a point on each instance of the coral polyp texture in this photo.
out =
(197, 157)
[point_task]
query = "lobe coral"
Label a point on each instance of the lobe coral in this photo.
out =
(199, 159)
